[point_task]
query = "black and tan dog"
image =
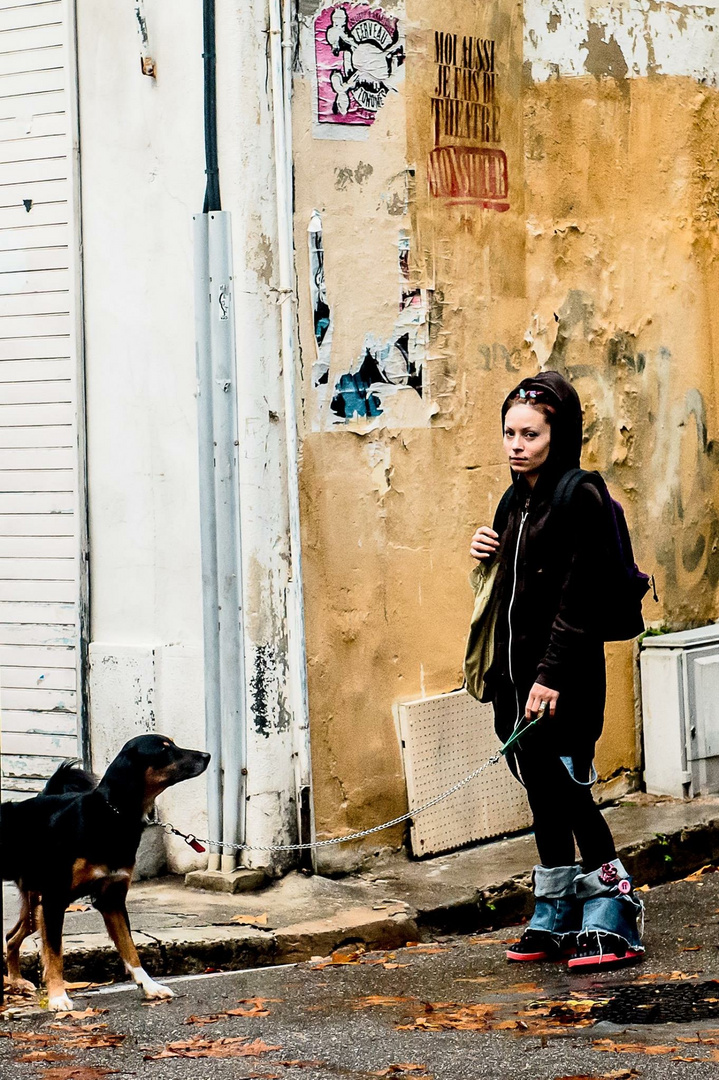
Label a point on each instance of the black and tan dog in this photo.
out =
(80, 838)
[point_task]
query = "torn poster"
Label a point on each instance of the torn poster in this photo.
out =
(387, 385)
(321, 315)
(358, 50)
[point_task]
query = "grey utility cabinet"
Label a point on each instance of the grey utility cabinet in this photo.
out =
(680, 710)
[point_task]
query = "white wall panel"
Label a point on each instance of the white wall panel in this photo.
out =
(39, 399)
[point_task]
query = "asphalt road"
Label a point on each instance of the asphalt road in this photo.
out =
(454, 1010)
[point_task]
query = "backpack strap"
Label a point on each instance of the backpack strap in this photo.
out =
(501, 515)
(568, 484)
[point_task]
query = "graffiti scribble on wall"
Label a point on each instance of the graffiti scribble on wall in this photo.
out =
(321, 315)
(357, 52)
(466, 165)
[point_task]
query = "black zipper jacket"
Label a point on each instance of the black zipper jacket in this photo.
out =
(549, 582)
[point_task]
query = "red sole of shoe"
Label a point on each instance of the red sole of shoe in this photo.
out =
(518, 958)
(606, 960)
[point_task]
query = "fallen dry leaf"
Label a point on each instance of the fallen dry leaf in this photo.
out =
(79, 907)
(250, 920)
(212, 1048)
(449, 1016)
(690, 948)
(380, 1000)
(76, 1014)
(249, 1007)
(493, 941)
(257, 1004)
(31, 1037)
(76, 1036)
(608, 1045)
(526, 988)
(42, 1055)
(348, 955)
(702, 872)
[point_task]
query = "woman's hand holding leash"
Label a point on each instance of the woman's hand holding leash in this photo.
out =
(540, 699)
(485, 543)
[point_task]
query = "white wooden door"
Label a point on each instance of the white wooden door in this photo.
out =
(41, 506)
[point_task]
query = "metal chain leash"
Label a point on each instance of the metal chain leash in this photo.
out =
(197, 842)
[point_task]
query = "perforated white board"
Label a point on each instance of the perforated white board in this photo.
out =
(444, 739)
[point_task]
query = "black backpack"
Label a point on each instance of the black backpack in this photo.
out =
(624, 586)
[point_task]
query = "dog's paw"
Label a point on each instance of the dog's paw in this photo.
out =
(155, 991)
(152, 990)
(59, 1003)
(21, 986)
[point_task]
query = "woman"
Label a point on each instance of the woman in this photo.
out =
(549, 662)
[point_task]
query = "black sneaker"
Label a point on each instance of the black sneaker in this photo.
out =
(595, 950)
(537, 945)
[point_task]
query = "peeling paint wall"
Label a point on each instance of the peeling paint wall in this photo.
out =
(575, 228)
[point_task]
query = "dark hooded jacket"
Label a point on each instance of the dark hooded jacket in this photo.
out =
(549, 582)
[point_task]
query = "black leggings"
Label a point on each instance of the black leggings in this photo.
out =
(563, 810)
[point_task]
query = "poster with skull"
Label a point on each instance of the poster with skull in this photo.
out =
(358, 50)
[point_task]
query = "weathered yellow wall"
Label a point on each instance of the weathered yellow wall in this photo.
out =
(604, 268)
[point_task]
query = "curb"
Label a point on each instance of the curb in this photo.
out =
(192, 950)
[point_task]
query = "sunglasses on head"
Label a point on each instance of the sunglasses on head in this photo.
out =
(533, 394)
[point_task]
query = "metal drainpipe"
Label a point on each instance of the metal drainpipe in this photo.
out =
(208, 535)
(281, 66)
(225, 707)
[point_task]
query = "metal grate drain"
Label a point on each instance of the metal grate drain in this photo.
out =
(667, 1003)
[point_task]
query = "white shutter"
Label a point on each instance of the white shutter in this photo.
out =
(40, 516)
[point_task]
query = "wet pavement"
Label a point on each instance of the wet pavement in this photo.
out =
(453, 1010)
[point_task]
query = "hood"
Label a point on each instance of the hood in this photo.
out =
(566, 446)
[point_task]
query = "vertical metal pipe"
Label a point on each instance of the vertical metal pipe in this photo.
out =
(281, 65)
(229, 539)
(212, 170)
(208, 531)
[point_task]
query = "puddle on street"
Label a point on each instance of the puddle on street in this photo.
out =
(666, 1003)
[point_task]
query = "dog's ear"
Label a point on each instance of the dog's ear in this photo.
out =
(125, 774)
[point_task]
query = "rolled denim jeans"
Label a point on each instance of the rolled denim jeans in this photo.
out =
(556, 909)
(608, 908)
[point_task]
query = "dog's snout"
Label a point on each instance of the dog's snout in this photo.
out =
(195, 763)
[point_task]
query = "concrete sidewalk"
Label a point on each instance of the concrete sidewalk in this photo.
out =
(396, 900)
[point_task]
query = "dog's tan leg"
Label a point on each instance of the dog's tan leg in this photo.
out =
(111, 903)
(52, 916)
(15, 937)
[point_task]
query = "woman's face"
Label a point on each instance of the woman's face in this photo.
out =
(527, 436)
